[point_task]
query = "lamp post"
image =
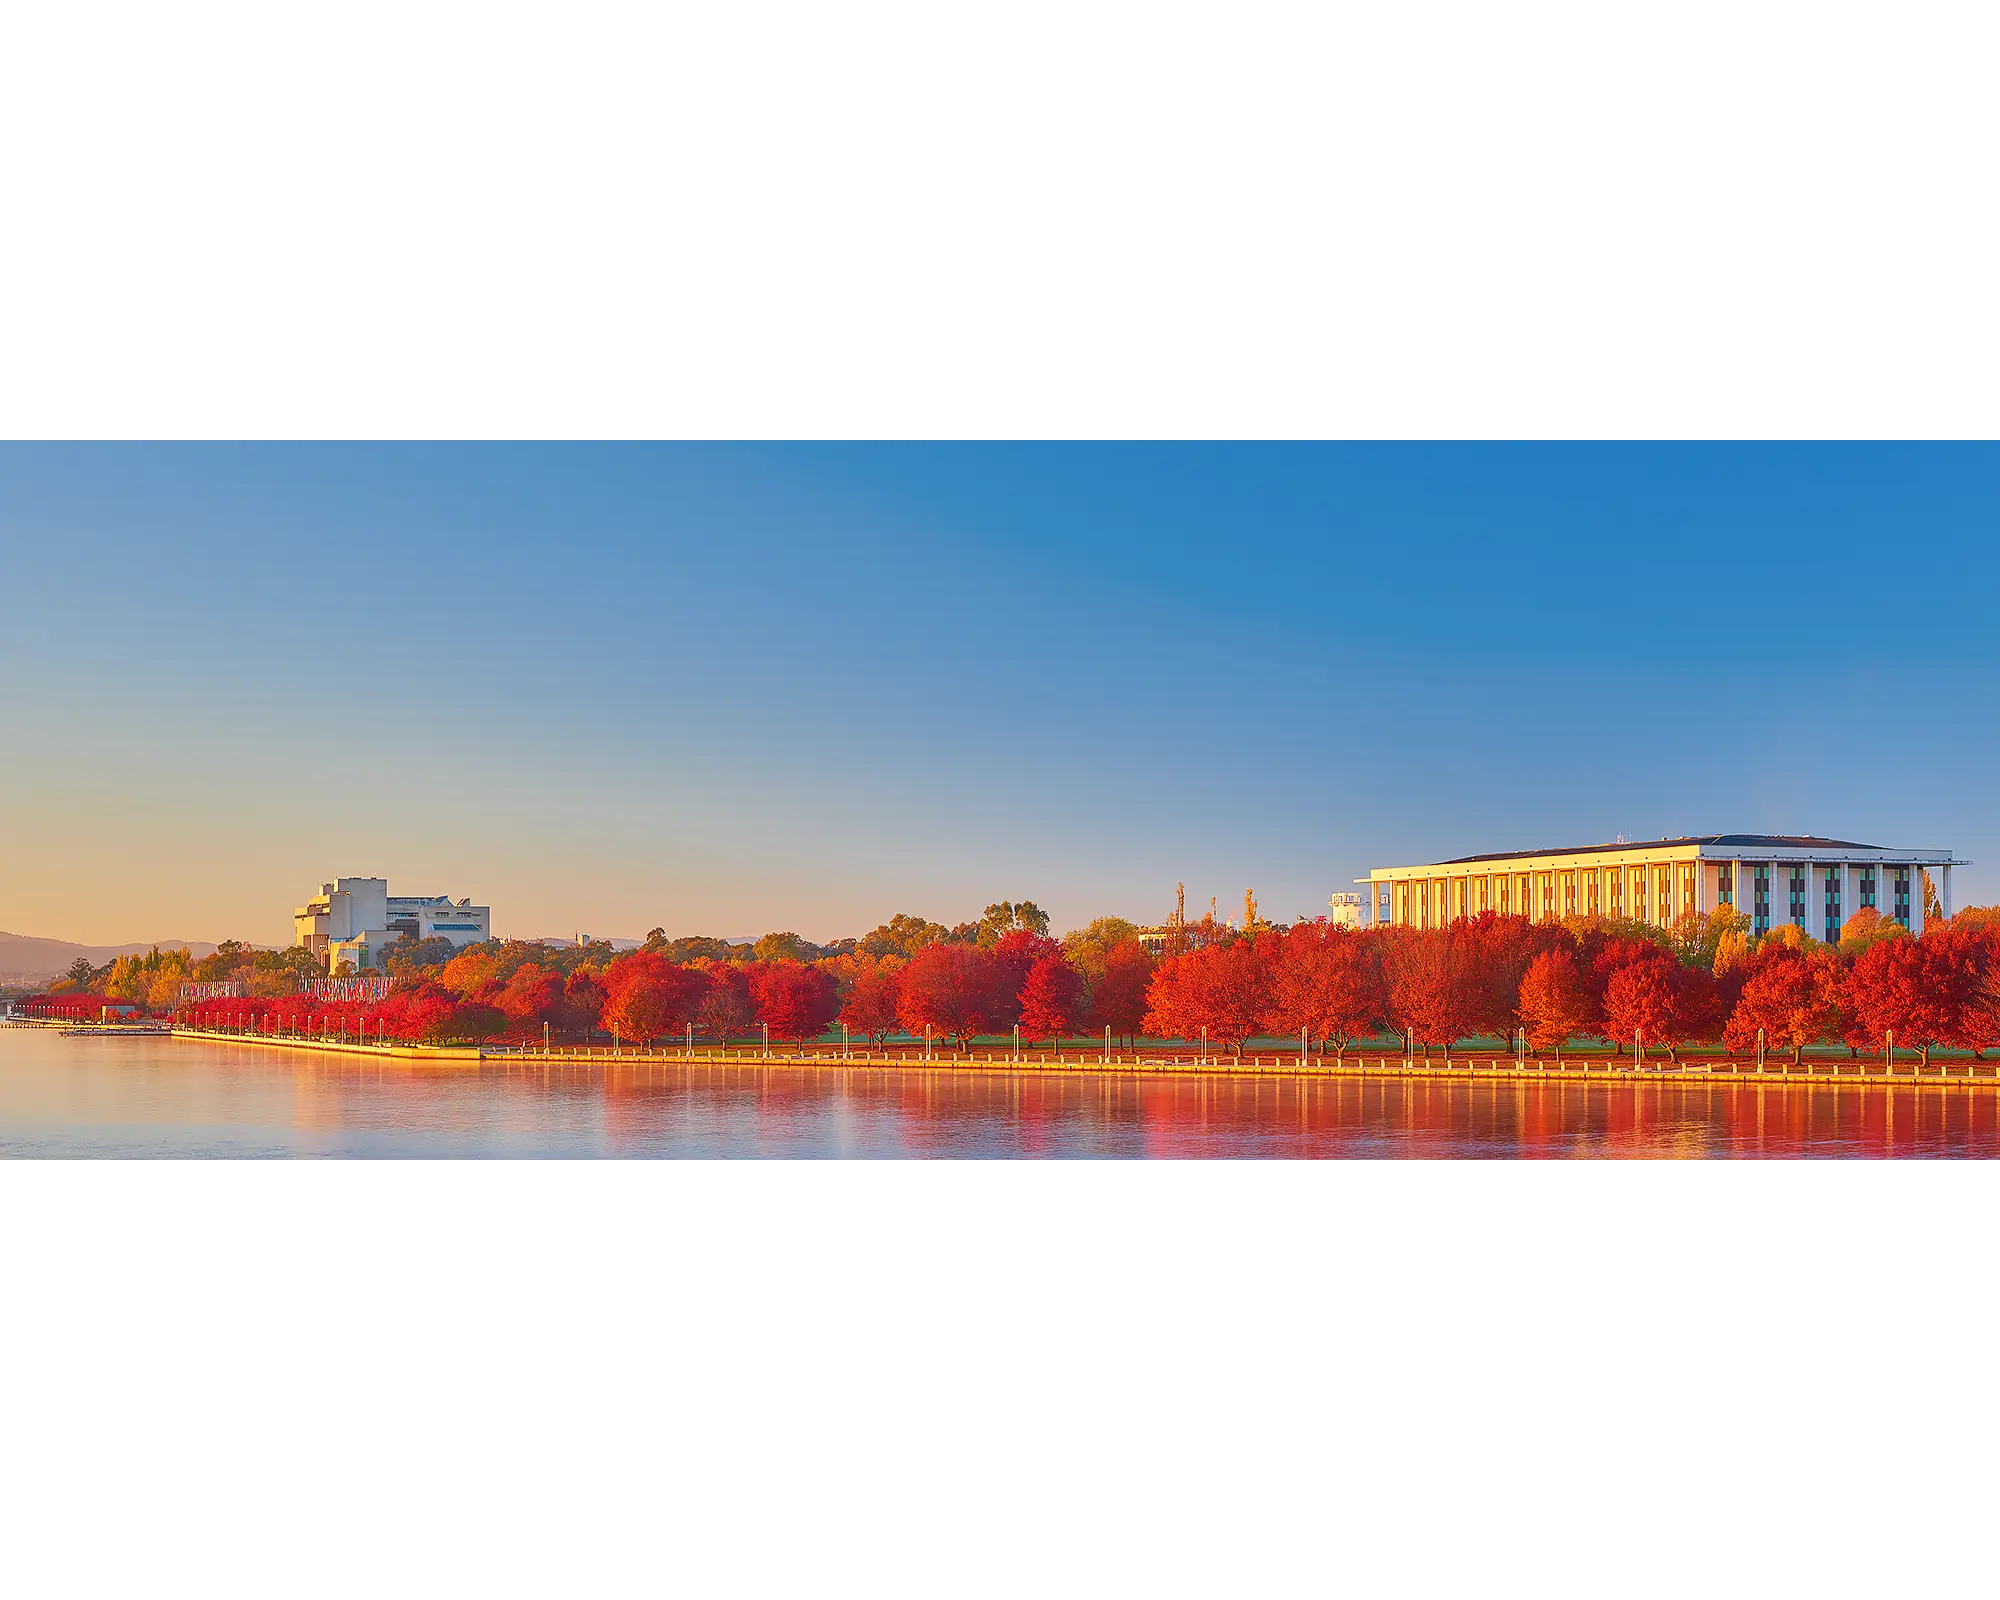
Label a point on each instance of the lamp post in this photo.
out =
(767, 1041)
(1204, 1044)
(1107, 1044)
(1760, 1049)
(844, 1041)
(1888, 1052)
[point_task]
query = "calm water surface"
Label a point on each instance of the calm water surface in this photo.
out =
(166, 1097)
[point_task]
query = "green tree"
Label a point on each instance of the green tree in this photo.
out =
(1004, 917)
(1088, 949)
(903, 935)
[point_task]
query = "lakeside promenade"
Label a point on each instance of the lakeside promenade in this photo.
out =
(1952, 1074)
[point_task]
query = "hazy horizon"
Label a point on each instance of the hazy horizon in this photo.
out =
(611, 688)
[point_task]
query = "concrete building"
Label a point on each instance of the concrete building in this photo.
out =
(1344, 911)
(1815, 884)
(355, 919)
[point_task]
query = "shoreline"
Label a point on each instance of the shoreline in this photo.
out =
(1467, 1069)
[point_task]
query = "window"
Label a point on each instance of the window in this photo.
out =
(1590, 892)
(1832, 904)
(1569, 894)
(1725, 884)
(1866, 893)
(1797, 901)
(1548, 897)
(1687, 890)
(1760, 904)
(1615, 884)
(1639, 895)
(1903, 895)
(1527, 887)
(1663, 888)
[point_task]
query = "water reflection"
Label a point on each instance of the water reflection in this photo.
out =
(161, 1097)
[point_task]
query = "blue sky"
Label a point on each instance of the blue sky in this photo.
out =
(734, 688)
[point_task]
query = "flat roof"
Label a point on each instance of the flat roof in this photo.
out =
(1727, 841)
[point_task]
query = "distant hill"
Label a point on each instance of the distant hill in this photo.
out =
(29, 960)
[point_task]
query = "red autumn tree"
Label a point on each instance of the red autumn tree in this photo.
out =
(1051, 999)
(1326, 983)
(793, 1000)
(1893, 987)
(870, 1007)
(725, 1010)
(1218, 991)
(1012, 957)
(647, 996)
(534, 995)
(582, 1003)
(950, 989)
(1118, 997)
(1493, 955)
(1429, 991)
(1554, 1001)
(1794, 996)
(1639, 999)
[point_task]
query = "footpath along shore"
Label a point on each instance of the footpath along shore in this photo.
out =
(1819, 1072)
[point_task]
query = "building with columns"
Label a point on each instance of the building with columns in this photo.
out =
(1815, 884)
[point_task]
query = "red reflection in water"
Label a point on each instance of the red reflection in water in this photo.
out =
(789, 1111)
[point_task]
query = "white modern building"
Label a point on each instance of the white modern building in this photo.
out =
(355, 919)
(1815, 884)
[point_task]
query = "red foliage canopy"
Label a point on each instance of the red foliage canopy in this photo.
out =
(1051, 999)
(794, 1000)
(951, 989)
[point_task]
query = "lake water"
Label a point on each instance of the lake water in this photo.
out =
(167, 1097)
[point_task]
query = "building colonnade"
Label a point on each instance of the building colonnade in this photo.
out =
(1815, 895)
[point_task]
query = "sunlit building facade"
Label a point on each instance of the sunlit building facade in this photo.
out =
(1814, 884)
(352, 921)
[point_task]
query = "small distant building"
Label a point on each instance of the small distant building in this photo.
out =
(1344, 911)
(355, 920)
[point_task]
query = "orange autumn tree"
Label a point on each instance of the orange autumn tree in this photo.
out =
(1555, 1001)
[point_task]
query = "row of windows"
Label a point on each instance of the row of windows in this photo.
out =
(1468, 897)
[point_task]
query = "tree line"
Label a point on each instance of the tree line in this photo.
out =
(1706, 981)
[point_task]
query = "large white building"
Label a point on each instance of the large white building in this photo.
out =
(1815, 884)
(355, 919)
